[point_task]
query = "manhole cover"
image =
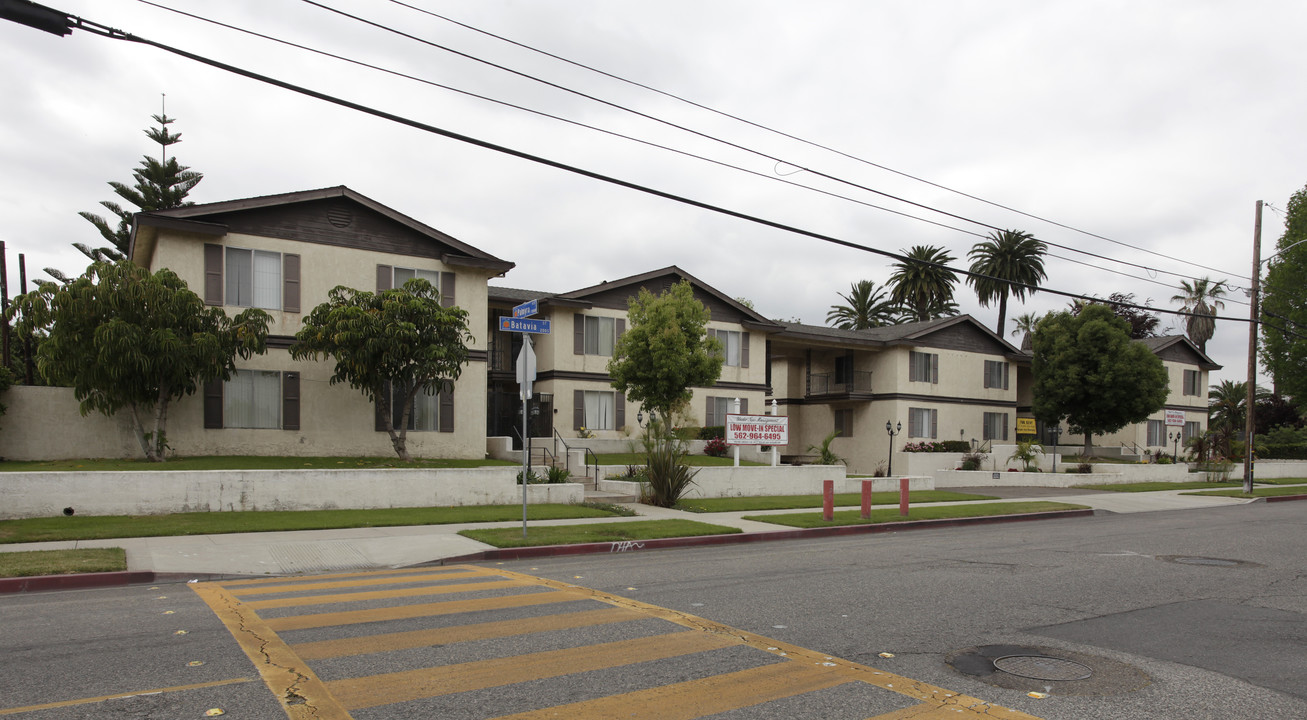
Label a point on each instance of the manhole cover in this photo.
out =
(1038, 667)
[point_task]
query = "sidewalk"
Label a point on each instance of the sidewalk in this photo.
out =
(313, 551)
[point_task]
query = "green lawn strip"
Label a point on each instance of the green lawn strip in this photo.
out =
(695, 460)
(787, 502)
(934, 512)
(62, 562)
(241, 462)
(1281, 481)
(87, 527)
(598, 532)
(1155, 486)
(1257, 491)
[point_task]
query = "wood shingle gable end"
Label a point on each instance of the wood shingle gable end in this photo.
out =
(617, 294)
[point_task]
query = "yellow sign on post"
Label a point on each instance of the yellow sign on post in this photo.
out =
(1025, 426)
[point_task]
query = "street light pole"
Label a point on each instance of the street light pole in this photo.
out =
(892, 432)
(1249, 425)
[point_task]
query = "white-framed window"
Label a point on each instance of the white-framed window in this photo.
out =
(425, 415)
(600, 336)
(923, 367)
(1156, 433)
(923, 423)
(732, 346)
(995, 425)
(1192, 382)
(252, 399)
(844, 422)
(599, 410)
(402, 275)
(253, 278)
(1192, 429)
(996, 374)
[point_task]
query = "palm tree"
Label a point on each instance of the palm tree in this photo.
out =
(1025, 326)
(1226, 403)
(923, 284)
(1202, 298)
(868, 307)
(1012, 263)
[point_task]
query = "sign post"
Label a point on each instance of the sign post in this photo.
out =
(526, 375)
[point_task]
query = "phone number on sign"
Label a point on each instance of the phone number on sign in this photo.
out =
(771, 437)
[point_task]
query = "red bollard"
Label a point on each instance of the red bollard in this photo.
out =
(903, 497)
(866, 499)
(827, 500)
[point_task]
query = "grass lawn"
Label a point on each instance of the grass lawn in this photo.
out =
(1155, 486)
(240, 462)
(598, 532)
(1257, 491)
(87, 527)
(937, 512)
(695, 460)
(787, 502)
(61, 562)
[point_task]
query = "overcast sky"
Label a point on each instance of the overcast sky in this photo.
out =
(1155, 124)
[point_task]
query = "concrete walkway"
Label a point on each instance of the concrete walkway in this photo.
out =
(310, 551)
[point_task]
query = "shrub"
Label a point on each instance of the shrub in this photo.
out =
(1085, 468)
(558, 475)
(715, 447)
(584, 433)
(636, 473)
(826, 456)
(972, 460)
(531, 478)
(1028, 452)
(669, 476)
(1284, 451)
(710, 432)
(938, 446)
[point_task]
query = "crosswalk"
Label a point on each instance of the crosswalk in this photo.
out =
(479, 643)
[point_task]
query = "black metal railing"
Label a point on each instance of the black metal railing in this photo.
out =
(857, 381)
(558, 440)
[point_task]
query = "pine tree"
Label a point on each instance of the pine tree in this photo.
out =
(161, 183)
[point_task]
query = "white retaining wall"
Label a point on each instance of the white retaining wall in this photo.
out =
(163, 491)
(715, 482)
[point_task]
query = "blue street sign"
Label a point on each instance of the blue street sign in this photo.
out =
(524, 325)
(526, 309)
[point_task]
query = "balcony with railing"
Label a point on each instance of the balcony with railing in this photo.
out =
(850, 385)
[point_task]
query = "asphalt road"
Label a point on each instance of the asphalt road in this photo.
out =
(1192, 614)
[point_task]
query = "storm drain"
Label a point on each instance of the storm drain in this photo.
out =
(1039, 667)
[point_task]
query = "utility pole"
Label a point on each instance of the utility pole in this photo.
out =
(1249, 425)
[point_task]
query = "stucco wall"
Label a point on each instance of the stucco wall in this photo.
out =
(161, 491)
(715, 482)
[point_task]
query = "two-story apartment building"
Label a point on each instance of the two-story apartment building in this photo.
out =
(284, 253)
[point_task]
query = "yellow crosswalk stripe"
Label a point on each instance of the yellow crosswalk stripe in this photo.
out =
(339, 584)
(448, 607)
(461, 633)
(374, 690)
(334, 576)
(387, 594)
(698, 698)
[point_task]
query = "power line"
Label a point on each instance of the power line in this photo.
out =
(811, 143)
(112, 33)
(737, 146)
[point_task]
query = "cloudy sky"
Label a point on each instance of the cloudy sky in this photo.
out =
(1157, 125)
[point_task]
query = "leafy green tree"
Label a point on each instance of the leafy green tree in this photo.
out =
(124, 338)
(394, 339)
(1203, 299)
(1089, 372)
(1143, 324)
(867, 307)
(1011, 260)
(666, 350)
(923, 284)
(160, 184)
(1284, 305)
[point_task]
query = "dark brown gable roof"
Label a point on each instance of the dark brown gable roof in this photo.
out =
(616, 294)
(330, 216)
(1178, 348)
(960, 332)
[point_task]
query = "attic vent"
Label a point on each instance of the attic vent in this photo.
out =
(340, 216)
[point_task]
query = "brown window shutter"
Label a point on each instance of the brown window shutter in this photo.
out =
(744, 406)
(744, 349)
(934, 424)
(446, 290)
(381, 411)
(619, 409)
(212, 276)
(578, 335)
(446, 401)
(385, 277)
(934, 370)
(710, 414)
(213, 404)
(1007, 373)
(621, 328)
(290, 401)
(290, 277)
(578, 409)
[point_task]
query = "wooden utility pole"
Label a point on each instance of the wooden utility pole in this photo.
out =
(4, 300)
(1249, 406)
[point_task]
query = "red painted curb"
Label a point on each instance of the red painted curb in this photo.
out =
(1284, 498)
(625, 546)
(41, 583)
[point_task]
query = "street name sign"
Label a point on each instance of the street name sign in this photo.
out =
(526, 309)
(524, 325)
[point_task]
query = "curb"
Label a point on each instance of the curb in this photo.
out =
(40, 583)
(626, 546)
(1283, 498)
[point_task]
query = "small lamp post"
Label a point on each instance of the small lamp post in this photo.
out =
(892, 432)
(1175, 446)
(1056, 432)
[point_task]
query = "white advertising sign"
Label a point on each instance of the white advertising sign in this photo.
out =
(1175, 418)
(757, 430)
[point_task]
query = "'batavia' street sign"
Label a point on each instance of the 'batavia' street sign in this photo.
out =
(524, 325)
